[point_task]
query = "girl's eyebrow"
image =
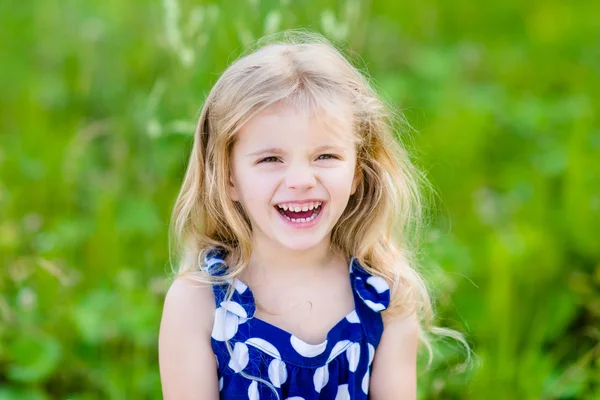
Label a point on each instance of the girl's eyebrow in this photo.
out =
(277, 150)
(272, 150)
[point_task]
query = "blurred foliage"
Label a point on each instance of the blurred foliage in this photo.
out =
(97, 109)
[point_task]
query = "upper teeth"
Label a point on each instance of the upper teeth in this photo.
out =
(299, 207)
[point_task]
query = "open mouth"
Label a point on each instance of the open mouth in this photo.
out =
(300, 216)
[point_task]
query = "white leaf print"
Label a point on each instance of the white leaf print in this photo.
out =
(371, 353)
(374, 306)
(353, 354)
(321, 378)
(211, 262)
(277, 372)
(378, 283)
(253, 391)
(353, 318)
(365, 383)
(239, 357)
(343, 393)
(225, 325)
(307, 350)
(239, 286)
(338, 349)
(234, 308)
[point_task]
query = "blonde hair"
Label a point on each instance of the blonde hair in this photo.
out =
(383, 217)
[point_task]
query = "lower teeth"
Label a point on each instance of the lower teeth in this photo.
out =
(303, 220)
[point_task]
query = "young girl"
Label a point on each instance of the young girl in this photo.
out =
(291, 284)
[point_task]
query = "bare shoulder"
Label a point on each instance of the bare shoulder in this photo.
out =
(190, 300)
(394, 374)
(187, 363)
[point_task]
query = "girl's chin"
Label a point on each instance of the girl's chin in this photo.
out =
(301, 246)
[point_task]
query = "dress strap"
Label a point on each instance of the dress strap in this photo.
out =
(371, 297)
(241, 302)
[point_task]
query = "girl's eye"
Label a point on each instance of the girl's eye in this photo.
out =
(275, 159)
(268, 159)
(329, 156)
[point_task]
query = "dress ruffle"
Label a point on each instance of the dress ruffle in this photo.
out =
(374, 291)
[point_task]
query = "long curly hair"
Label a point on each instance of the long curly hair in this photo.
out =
(383, 219)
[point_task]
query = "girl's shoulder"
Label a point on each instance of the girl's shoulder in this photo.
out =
(188, 302)
(184, 340)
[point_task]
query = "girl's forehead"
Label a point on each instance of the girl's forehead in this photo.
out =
(283, 123)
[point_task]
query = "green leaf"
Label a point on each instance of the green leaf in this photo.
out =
(34, 357)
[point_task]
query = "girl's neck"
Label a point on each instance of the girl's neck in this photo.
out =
(286, 263)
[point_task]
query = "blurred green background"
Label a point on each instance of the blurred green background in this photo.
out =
(97, 109)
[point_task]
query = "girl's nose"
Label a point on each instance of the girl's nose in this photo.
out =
(300, 177)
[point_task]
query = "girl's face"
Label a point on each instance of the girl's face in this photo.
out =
(293, 175)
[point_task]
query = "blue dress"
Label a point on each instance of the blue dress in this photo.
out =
(339, 368)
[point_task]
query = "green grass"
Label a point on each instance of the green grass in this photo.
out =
(97, 108)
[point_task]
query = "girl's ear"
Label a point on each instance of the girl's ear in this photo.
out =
(231, 189)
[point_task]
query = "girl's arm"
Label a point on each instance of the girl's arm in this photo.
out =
(394, 374)
(187, 363)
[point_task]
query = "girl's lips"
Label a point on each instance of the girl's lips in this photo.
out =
(301, 201)
(302, 225)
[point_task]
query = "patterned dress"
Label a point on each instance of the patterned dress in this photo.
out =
(339, 368)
